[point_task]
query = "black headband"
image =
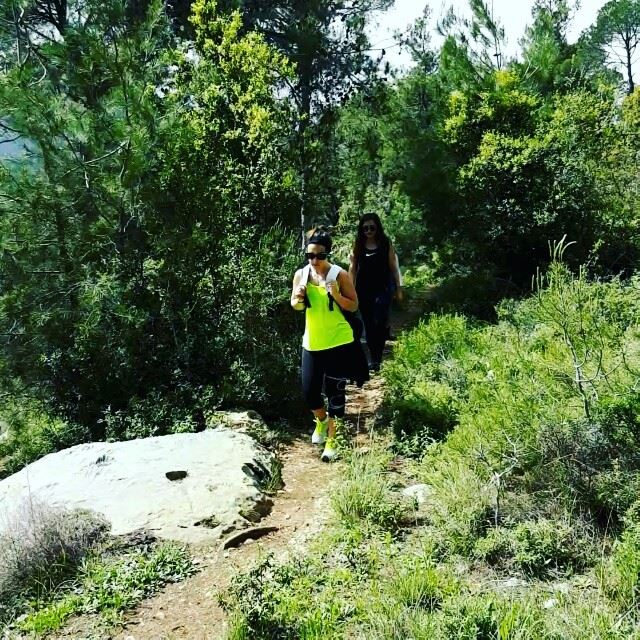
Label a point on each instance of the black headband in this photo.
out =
(323, 238)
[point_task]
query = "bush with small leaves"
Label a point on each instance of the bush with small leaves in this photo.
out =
(596, 461)
(41, 548)
(538, 547)
(365, 496)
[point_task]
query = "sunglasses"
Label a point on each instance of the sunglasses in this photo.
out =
(368, 227)
(319, 256)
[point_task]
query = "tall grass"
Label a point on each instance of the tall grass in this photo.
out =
(40, 549)
(526, 432)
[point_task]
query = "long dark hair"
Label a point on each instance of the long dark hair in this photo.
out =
(381, 238)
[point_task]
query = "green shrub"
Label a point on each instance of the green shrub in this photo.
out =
(159, 414)
(422, 585)
(596, 462)
(469, 618)
(620, 574)
(300, 600)
(33, 433)
(425, 382)
(460, 501)
(474, 293)
(109, 585)
(542, 401)
(537, 547)
(41, 548)
(428, 408)
(497, 547)
(365, 496)
(490, 617)
(118, 584)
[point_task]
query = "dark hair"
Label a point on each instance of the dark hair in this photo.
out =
(382, 240)
(320, 235)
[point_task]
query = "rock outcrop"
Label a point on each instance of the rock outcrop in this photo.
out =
(190, 487)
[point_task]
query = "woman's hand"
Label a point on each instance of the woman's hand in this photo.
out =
(300, 293)
(399, 295)
(332, 289)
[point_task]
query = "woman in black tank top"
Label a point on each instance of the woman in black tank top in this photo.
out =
(374, 270)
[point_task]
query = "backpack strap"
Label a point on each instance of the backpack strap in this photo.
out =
(304, 278)
(332, 276)
(334, 272)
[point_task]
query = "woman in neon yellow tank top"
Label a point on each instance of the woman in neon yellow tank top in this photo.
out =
(327, 345)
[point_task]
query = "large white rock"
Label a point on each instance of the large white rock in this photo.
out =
(127, 483)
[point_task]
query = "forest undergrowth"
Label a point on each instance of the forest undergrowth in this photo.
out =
(159, 163)
(497, 497)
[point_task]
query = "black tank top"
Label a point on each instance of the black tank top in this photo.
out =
(373, 272)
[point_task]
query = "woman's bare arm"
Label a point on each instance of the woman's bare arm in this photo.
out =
(394, 266)
(347, 297)
(352, 268)
(297, 292)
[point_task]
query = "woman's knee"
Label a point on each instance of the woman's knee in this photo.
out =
(335, 389)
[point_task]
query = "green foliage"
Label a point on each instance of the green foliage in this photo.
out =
(596, 461)
(538, 548)
(428, 408)
(474, 293)
(488, 165)
(33, 433)
(547, 56)
(149, 283)
(460, 501)
(296, 600)
(364, 496)
(329, 63)
(422, 585)
(40, 550)
(425, 383)
(113, 587)
(489, 618)
(357, 581)
(478, 39)
(110, 586)
(620, 574)
(541, 185)
(542, 402)
(148, 227)
(616, 34)
(402, 605)
(316, 596)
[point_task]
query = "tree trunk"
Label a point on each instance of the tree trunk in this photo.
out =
(629, 70)
(304, 119)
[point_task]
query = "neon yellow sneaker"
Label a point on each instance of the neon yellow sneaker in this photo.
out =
(320, 432)
(330, 450)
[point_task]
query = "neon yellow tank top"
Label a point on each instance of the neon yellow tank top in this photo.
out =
(324, 329)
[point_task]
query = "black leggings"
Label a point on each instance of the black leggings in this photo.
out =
(375, 315)
(328, 369)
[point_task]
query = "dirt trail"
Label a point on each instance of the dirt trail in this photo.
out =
(189, 610)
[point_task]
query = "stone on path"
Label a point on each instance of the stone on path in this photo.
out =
(418, 492)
